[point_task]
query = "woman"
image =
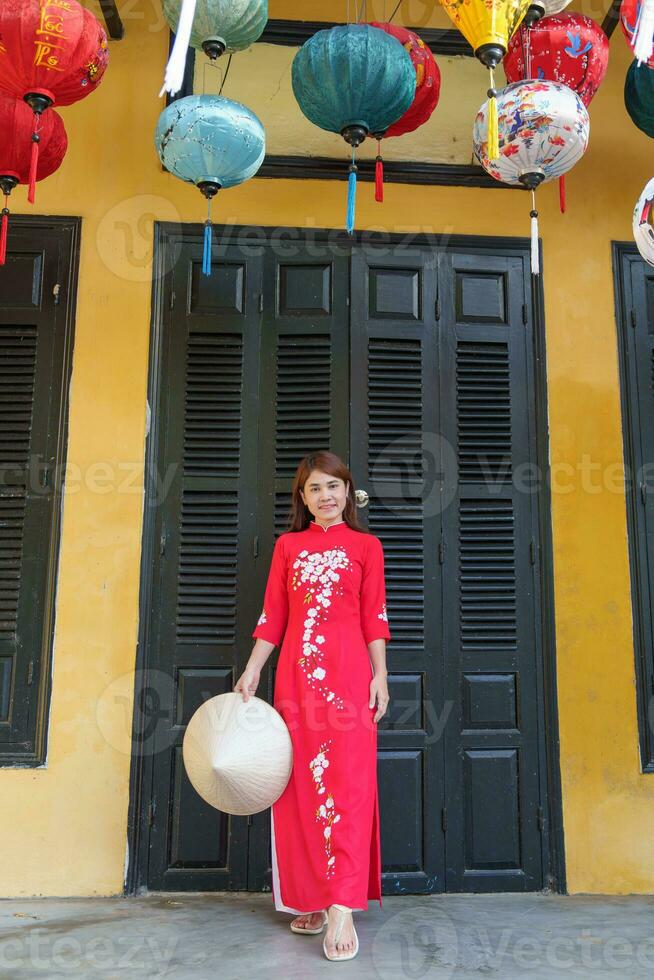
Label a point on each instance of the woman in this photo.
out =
(325, 598)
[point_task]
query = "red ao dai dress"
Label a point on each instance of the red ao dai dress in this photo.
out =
(325, 599)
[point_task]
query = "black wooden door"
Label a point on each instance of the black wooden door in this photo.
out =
(414, 365)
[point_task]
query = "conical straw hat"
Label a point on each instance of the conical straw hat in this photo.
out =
(238, 754)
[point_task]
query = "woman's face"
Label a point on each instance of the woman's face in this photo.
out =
(325, 496)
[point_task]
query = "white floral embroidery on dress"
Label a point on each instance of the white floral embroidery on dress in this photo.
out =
(320, 571)
(382, 614)
(326, 813)
(262, 618)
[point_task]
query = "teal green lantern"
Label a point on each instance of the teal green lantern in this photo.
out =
(639, 96)
(355, 80)
(212, 26)
(213, 143)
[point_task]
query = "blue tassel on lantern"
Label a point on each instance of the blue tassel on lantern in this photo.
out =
(206, 256)
(351, 197)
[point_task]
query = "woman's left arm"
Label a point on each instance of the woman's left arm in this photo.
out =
(374, 622)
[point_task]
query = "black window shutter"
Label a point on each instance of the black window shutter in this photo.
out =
(635, 282)
(37, 287)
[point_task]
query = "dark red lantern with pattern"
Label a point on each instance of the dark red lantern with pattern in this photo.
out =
(15, 152)
(567, 48)
(52, 52)
(428, 90)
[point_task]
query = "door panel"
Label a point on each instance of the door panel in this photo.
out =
(395, 457)
(490, 654)
(206, 529)
(303, 407)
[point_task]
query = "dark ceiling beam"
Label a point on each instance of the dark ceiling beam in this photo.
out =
(612, 17)
(114, 24)
(295, 32)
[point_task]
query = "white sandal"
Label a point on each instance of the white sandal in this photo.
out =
(311, 932)
(337, 935)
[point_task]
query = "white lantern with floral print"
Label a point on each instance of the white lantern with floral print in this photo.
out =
(543, 131)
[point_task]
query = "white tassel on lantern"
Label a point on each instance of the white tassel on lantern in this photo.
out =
(174, 77)
(535, 265)
(644, 33)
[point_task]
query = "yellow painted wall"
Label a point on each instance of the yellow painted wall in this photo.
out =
(64, 826)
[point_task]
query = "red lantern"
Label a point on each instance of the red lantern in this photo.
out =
(52, 52)
(567, 48)
(637, 22)
(428, 89)
(15, 152)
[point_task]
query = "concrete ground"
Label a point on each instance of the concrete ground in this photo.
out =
(235, 936)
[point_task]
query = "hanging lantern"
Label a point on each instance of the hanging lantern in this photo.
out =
(637, 21)
(642, 223)
(212, 142)
(570, 49)
(51, 53)
(639, 97)
(543, 8)
(212, 26)
(428, 88)
(488, 25)
(354, 80)
(543, 130)
(15, 152)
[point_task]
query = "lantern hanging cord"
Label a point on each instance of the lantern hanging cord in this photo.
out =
(390, 19)
(527, 55)
(535, 263)
(229, 65)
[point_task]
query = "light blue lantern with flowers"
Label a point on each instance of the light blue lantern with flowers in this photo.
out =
(355, 80)
(212, 26)
(212, 142)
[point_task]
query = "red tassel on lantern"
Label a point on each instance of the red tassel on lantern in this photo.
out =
(562, 193)
(34, 160)
(379, 175)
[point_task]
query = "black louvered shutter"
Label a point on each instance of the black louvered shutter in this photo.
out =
(489, 584)
(395, 457)
(304, 407)
(207, 435)
(637, 368)
(304, 385)
(35, 305)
